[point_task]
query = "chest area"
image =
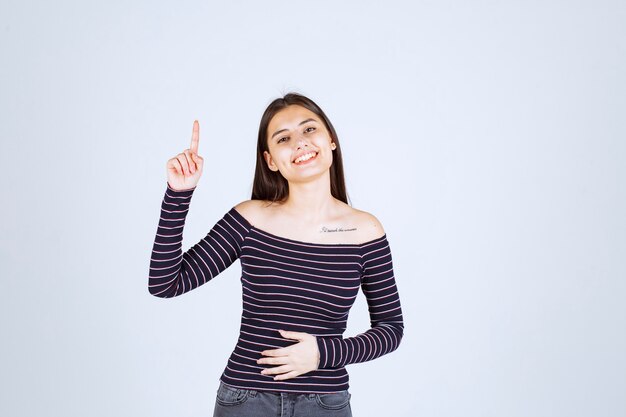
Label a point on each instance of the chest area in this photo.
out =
(344, 227)
(320, 276)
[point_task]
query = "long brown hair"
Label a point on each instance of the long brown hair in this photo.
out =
(271, 185)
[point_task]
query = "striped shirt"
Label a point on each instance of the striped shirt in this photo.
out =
(286, 284)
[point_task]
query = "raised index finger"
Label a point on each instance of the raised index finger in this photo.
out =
(195, 137)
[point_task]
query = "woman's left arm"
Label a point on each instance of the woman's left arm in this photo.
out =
(387, 326)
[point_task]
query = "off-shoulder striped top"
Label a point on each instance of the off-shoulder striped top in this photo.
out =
(286, 284)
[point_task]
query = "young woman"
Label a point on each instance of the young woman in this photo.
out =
(304, 255)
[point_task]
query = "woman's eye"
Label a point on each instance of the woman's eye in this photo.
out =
(287, 137)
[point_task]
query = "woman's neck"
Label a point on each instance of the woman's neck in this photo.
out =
(310, 201)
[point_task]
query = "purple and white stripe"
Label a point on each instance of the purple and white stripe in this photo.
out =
(286, 284)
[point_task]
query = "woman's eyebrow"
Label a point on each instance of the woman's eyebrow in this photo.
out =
(301, 123)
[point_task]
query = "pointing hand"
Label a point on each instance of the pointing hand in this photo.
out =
(184, 170)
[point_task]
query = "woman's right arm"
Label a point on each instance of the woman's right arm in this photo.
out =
(172, 272)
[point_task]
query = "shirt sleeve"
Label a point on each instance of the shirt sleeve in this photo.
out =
(172, 272)
(387, 326)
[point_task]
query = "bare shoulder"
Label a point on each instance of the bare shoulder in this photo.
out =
(251, 209)
(263, 214)
(371, 228)
(246, 206)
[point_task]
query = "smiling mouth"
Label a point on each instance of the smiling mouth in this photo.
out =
(310, 158)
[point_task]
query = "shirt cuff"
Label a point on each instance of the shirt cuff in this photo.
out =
(327, 352)
(185, 191)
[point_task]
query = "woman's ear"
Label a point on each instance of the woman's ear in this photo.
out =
(270, 162)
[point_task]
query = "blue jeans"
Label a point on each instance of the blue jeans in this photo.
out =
(232, 401)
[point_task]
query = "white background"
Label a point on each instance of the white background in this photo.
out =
(488, 137)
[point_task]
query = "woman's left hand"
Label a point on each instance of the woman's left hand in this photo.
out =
(295, 360)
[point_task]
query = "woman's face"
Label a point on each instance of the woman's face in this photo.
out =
(293, 132)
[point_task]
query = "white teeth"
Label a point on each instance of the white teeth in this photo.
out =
(305, 157)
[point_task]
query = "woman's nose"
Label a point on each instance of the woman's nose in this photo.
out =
(301, 140)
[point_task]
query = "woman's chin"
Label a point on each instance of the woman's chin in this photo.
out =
(308, 174)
